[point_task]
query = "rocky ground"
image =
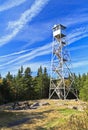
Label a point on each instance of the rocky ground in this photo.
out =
(38, 114)
(27, 105)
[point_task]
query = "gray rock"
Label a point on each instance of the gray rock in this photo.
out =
(35, 105)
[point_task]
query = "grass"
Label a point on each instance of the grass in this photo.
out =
(68, 112)
(64, 115)
(8, 119)
(56, 116)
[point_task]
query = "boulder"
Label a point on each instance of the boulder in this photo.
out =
(35, 105)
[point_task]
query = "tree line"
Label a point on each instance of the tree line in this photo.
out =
(81, 84)
(24, 86)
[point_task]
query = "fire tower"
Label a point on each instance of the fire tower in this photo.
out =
(61, 77)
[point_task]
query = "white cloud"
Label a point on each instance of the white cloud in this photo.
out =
(78, 47)
(13, 54)
(18, 59)
(10, 4)
(40, 31)
(27, 16)
(80, 64)
(77, 34)
(23, 58)
(44, 50)
(73, 20)
(13, 70)
(75, 17)
(78, 23)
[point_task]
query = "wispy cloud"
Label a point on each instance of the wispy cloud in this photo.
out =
(34, 67)
(80, 64)
(40, 51)
(40, 31)
(78, 47)
(75, 17)
(14, 54)
(30, 55)
(77, 34)
(10, 4)
(73, 20)
(78, 23)
(27, 16)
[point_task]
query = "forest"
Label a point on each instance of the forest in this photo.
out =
(24, 86)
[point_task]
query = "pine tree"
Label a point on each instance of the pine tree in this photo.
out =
(39, 85)
(42, 83)
(46, 83)
(28, 83)
(84, 91)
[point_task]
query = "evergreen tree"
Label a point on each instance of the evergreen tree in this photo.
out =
(9, 79)
(46, 84)
(39, 73)
(25, 87)
(42, 83)
(39, 83)
(18, 84)
(5, 91)
(28, 83)
(84, 91)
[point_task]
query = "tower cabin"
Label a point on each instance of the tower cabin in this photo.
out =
(58, 31)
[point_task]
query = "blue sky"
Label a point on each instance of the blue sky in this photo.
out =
(26, 33)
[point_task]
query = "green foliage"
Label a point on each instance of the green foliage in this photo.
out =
(78, 82)
(42, 84)
(84, 91)
(81, 84)
(67, 111)
(78, 122)
(24, 86)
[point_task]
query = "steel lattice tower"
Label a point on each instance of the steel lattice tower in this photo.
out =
(61, 77)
